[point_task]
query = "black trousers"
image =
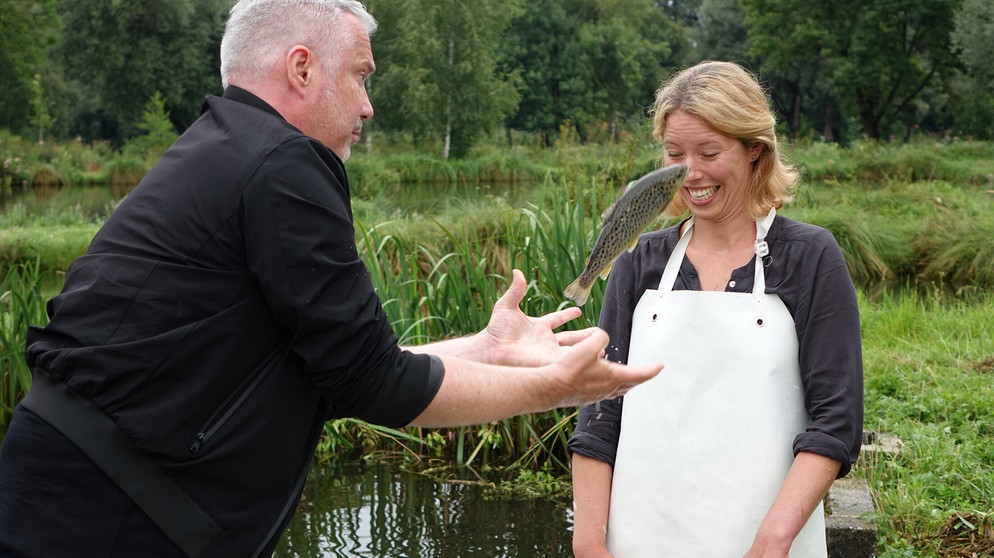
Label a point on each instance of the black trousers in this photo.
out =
(54, 502)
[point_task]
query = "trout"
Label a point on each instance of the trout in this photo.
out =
(643, 201)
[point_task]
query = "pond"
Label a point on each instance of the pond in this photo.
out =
(379, 511)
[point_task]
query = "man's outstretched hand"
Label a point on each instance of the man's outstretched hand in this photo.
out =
(514, 338)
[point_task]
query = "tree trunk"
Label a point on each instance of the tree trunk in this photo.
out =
(447, 145)
(866, 116)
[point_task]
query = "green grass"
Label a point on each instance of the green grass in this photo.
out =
(930, 380)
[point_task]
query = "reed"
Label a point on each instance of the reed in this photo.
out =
(446, 289)
(21, 304)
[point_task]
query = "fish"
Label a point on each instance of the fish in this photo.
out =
(623, 222)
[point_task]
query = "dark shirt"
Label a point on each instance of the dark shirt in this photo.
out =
(222, 314)
(806, 269)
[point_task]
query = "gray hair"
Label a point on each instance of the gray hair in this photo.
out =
(260, 32)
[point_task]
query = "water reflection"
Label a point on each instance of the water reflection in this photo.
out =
(373, 510)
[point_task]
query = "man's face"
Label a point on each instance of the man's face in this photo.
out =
(343, 103)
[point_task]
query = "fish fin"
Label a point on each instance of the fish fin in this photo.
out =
(633, 244)
(606, 271)
(577, 293)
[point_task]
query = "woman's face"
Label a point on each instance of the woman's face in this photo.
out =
(718, 167)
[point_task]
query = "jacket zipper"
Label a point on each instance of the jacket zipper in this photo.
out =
(228, 408)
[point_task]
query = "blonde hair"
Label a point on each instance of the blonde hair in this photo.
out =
(730, 100)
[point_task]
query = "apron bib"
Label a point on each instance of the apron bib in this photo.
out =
(706, 444)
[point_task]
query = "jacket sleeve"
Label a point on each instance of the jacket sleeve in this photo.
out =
(300, 244)
(831, 360)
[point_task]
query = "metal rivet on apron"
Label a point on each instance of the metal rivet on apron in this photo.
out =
(759, 322)
(654, 316)
(731, 284)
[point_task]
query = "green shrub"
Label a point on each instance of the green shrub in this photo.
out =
(123, 173)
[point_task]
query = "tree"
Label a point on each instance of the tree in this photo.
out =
(536, 48)
(876, 57)
(972, 90)
(123, 52)
(40, 118)
(28, 29)
(159, 132)
(439, 74)
(631, 45)
(974, 28)
(718, 32)
(589, 60)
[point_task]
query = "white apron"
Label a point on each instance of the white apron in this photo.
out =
(706, 444)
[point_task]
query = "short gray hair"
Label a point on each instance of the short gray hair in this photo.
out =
(259, 32)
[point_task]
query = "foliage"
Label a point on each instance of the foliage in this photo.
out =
(442, 80)
(159, 132)
(27, 32)
(587, 62)
(718, 32)
(21, 304)
(121, 53)
(876, 59)
(974, 28)
(41, 120)
(72, 163)
(451, 73)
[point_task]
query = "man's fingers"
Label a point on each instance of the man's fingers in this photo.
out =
(515, 293)
(570, 338)
(558, 318)
(634, 375)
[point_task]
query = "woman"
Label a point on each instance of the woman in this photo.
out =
(730, 450)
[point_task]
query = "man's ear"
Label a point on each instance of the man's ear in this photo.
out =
(300, 62)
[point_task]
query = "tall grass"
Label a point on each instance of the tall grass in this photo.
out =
(21, 304)
(446, 289)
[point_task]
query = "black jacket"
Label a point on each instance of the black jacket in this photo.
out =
(222, 314)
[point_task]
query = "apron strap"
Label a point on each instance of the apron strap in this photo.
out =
(762, 250)
(672, 268)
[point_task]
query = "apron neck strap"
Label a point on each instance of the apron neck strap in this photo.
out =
(668, 279)
(762, 250)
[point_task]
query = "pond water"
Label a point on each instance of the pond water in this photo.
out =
(376, 510)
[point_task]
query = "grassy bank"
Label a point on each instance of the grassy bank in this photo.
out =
(914, 221)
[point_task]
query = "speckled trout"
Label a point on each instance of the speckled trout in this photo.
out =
(643, 201)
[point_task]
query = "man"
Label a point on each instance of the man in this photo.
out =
(222, 314)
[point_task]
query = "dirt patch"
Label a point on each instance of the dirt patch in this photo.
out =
(967, 536)
(984, 365)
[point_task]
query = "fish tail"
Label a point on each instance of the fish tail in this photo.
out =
(576, 292)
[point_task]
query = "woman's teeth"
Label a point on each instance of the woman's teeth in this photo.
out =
(703, 193)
